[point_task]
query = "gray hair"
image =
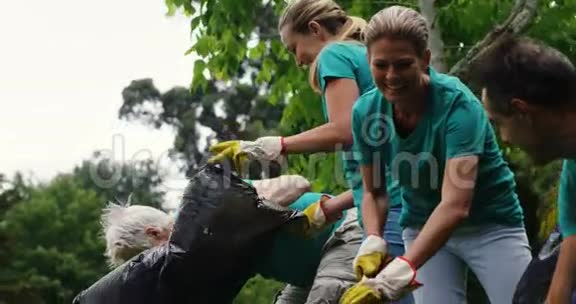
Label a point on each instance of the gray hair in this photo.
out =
(398, 22)
(124, 230)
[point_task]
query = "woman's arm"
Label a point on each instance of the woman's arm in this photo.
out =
(333, 207)
(374, 204)
(457, 191)
(340, 95)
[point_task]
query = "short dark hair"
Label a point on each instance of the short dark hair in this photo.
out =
(527, 69)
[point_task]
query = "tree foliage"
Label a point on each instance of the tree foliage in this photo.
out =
(54, 236)
(140, 181)
(50, 234)
(245, 114)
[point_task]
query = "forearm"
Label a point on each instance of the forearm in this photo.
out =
(324, 138)
(374, 212)
(435, 233)
(560, 291)
(333, 208)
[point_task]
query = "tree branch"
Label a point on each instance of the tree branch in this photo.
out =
(521, 18)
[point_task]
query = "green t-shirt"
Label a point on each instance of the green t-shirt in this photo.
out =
(292, 258)
(454, 125)
(567, 199)
(348, 59)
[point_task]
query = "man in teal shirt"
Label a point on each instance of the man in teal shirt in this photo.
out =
(529, 92)
(316, 269)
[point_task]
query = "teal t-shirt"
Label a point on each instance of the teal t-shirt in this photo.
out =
(294, 259)
(454, 125)
(347, 59)
(567, 198)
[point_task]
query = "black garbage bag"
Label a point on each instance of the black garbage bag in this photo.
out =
(534, 284)
(220, 227)
(132, 282)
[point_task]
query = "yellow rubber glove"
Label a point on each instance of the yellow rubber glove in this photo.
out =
(239, 151)
(228, 149)
(361, 294)
(371, 257)
(395, 281)
(317, 220)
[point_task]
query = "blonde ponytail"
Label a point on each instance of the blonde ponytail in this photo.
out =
(350, 31)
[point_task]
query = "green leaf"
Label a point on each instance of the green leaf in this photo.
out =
(205, 45)
(171, 7)
(194, 23)
(258, 51)
(199, 68)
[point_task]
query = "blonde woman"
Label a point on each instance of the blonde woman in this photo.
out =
(460, 207)
(322, 36)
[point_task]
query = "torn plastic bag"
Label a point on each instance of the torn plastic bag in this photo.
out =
(221, 227)
(534, 284)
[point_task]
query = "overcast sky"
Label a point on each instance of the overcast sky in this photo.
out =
(63, 65)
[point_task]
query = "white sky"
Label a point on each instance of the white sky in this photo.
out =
(63, 65)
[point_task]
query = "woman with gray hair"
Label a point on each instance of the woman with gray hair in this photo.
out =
(460, 209)
(130, 229)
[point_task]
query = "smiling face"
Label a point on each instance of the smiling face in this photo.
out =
(397, 68)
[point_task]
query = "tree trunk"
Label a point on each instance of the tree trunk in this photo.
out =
(435, 42)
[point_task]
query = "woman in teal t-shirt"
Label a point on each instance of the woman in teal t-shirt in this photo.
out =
(460, 207)
(529, 92)
(322, 36)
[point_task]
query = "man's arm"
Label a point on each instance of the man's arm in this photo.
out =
(563, 281)
(560, 291)
(457, 191)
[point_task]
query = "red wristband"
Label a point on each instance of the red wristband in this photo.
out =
(411, 266)
(283, 144)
